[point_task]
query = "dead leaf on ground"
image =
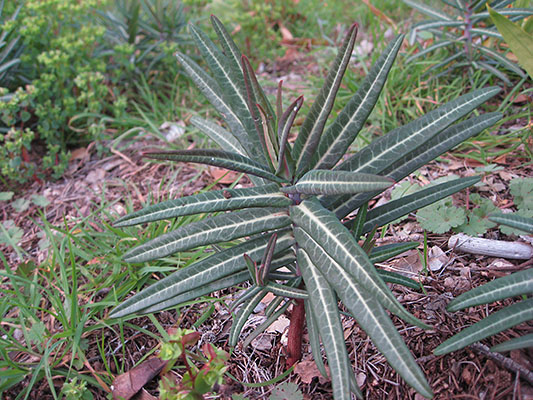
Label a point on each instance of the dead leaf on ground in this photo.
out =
(436, 258)
(279, 325)
(126, 385)
(223, 176)
(307, 370)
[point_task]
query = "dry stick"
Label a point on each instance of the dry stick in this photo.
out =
(504, 361)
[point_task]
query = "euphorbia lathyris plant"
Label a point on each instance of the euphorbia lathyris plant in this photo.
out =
(293, 217)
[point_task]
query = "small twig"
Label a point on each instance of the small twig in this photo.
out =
(504, 361)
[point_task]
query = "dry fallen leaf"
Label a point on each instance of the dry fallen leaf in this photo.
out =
(223, 176)
(307, 370)
(126, 385)
(279, 325)
(436, 258)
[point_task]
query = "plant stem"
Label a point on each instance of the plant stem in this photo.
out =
(294, 341)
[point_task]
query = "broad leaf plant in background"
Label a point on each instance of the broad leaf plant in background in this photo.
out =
(466, 30)
(300, 214)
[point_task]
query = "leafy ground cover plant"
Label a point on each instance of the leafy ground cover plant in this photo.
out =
(443, 216)
(295, 216)
(465, 31)
(516, 284)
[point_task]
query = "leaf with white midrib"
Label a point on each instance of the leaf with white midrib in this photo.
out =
(286, 291)
(200, 273)
(242, 315)
(325, 310)
(429, 11)
(337, 182)
(494, 323)
(193, 294)
(333, 238)
(395, 209)
(210, 89)
(373, 319)
(514, 221)
(394, 145)
(218, 158)
(218, 134)
(231, 51)
(313, 125)
(224, 227)
(314, 338)
(217, 200)
(515, 284)
(410, 162)
(231, 83)
(522, 342)
(386, 251)
(343, 131)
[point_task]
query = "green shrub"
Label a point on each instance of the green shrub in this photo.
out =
(64, 78)
(292, 217)
(464, 29)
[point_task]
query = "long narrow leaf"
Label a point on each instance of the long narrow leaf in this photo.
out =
(514, 221)
(515, 284)
(193, 294)
(494, 323)
(218, 200)
(312, 128)
(231, 84)
(199, 274)
(518, 40)
(284, 127)
(387, 251)
(325, 309)
(396, 144)
(242, 316)
(269, 321)
(286, 291)
(221, 136)
(395, 209)
(314, 338)
(341, 134)
(231, 51)
(218, 158)
(210, 89)
(410, 162)
(368, 312)
(429, 11)
(522, 342)
(322, 232)
(337, 182)
(223, 227)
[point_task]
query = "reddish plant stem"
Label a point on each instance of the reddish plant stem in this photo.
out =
(296, 327)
